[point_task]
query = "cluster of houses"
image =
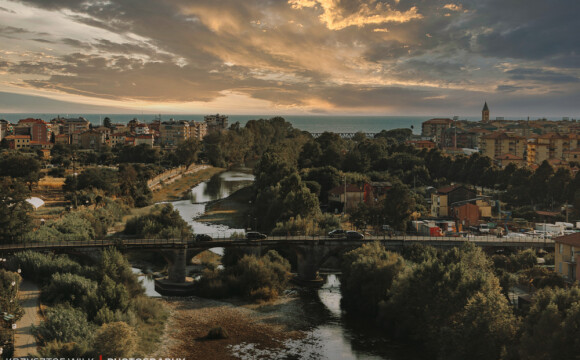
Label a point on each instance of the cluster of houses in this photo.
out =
(460, 207)
(39, 134)
(519, 142)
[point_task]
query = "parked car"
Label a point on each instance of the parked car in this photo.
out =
(354, 235)
(336, 233)
(254, 235)
(203, 237)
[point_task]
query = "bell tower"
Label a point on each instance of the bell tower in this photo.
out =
(485, 113)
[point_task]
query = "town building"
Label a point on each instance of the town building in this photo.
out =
(501, 143)
(18, 141)
(141, 129)
(37, 129)
(376, 191)
(434, 129)
(566, 256)
(507, 159)
(91, 139)
(173, 133)
(116, 139)
(448, 196)
(62, 139)
(146, 139)
(354, 196)
(485, 113)
(216, 122)
(75, 126)
(198, 129)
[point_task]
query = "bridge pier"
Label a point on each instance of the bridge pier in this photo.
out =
(177, 272)
(309, 258)
(176, 283)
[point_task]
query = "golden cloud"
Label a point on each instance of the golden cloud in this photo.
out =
(453, 7)
(367, 14)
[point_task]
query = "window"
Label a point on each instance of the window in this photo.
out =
(560, 268)
(561, 248)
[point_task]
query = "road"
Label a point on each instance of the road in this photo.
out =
(24, 342)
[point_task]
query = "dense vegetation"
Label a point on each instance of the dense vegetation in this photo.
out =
(10, 309)
(295, 171)
(452, 303)
(162, 222)
(250, 276)
(92, 308)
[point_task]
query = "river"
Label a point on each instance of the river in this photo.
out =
(329, 335)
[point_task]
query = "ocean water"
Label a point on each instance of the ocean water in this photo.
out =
(312, 124)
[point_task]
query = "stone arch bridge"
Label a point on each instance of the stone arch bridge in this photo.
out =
(311, 251)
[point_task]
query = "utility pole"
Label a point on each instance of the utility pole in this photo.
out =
(74, 157)
(344, 210)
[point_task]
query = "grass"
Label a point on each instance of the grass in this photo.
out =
(51, 182)
(151, 323)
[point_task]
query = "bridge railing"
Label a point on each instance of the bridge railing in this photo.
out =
(217, 238)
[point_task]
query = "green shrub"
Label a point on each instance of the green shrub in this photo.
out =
(69, 288)
(147, 309)
(106, 315)
(65, 324)
(270, 273)
(116, 339)
(39, 267)
(114, 265)
(58, 349)
(163, 222)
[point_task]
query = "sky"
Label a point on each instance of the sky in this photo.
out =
(295, 57)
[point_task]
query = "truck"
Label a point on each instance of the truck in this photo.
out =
(554, 229)
(483, 228)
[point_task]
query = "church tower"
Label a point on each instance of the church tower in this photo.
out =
(485, 113)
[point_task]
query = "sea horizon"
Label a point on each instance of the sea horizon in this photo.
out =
(310, 123)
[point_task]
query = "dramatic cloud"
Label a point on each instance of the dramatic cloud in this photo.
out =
(300, 56)
(336, 16)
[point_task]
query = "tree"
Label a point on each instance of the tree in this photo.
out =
(107, 122)
(116, 339)
(187, 151)
(430, 302)
(367, 275)
(18, 165)
(98, 178)
(14, 209)
(398, 206)
(271, 169)
(538, 185)
(552, 328)
(328, 177)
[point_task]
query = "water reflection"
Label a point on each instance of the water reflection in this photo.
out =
(148, 283)
(221, 186)
(218, 187)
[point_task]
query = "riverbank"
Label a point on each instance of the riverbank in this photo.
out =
(255, 330)
(174, 190)
(231, 211)
(178, 188)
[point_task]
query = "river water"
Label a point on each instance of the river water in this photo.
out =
(328, 335)
(218, 187)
